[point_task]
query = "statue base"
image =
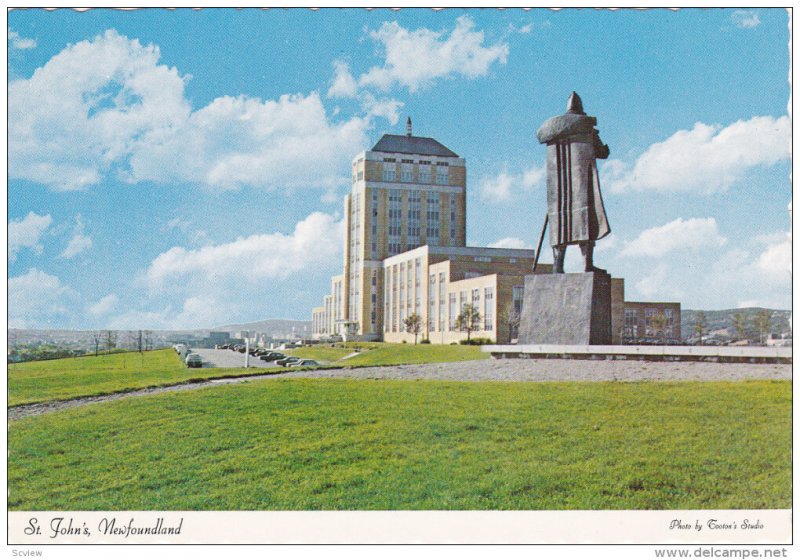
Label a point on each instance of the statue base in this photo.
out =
(570, 308)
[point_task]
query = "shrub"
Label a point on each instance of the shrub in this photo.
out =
(477, 341)
(424, 341)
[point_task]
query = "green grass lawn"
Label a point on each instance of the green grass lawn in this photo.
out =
(292, 444)
(319, 353)
(396, 354)
(385, 354)
(32, 382)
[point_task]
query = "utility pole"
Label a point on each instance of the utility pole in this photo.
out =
(246, 352)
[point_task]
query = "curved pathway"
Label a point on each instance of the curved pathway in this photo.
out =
(479, 370)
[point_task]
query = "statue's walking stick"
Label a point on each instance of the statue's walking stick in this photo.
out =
(541, 239)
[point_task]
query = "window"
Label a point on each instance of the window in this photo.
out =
(407, 173)
(452, 219)
(442, 286)
(389, 174)
(483, 259)
(432, 303)
(631, 328)
(414, 202)
(488, 311)
(433, 219)
(442, 177)
(452, 310)
(395, 229)
(425, 172)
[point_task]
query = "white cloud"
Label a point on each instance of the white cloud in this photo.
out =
(195, 312)
(511, 243)
(26, 233)
(86, 108)
(525, 29)
(104, 306)
(106, 106)
(706, 159)
(316, 241)
(776, 260)
(388, 109)
(37, 299)
(676, 235)
(344, 85)
(505, 186)
(655, 285)
(415, 59)
(745, 19)
(79, 242)
(16, 41)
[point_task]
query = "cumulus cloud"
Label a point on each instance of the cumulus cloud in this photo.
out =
(706, 159)
(86, 108)
(17, 41)
(344, 84)
(106, 106)
(388, 109)
(745, 19)
(511, 243)
(37, 299)
(676, 235)
(26, 233)
(316, 241)
(104, 306)
(776, 259)
(415, 59)
(240, 141)
(505, 186)
(79, 242)
(654, 285)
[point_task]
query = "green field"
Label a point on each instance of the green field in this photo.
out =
(32, 382)
(384, 354)
(292, 444)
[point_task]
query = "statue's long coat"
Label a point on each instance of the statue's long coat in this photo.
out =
(574, 203)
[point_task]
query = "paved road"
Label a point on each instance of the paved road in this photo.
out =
(227, 359)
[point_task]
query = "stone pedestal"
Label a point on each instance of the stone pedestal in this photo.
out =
(566, 309)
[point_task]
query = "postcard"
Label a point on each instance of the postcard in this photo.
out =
(350, 276)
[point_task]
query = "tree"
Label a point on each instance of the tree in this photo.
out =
(97, 336)
(413, 324)
(739, 325)
(468, 320)
(658, 323)
(763, 321)
(111, 340)
(512, 317)
(700, 325)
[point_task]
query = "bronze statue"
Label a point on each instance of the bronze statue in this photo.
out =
(574, 204)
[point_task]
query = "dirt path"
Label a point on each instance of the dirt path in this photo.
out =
(475, 371)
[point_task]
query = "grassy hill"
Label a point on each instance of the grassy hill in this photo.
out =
(723, 320)
(296, 444)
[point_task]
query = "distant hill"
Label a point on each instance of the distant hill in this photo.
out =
(721, 321)
(76, 339)
(271, 327)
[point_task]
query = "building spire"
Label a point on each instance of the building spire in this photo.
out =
(408, 127)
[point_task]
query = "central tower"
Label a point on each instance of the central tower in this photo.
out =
(407, 191)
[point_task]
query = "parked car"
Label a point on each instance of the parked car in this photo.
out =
(272, 356)
(287, 361)
(194, 360)
(304, 363)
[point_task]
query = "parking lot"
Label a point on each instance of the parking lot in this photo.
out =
(228, 359)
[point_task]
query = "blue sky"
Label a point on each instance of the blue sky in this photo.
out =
(177, 169)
